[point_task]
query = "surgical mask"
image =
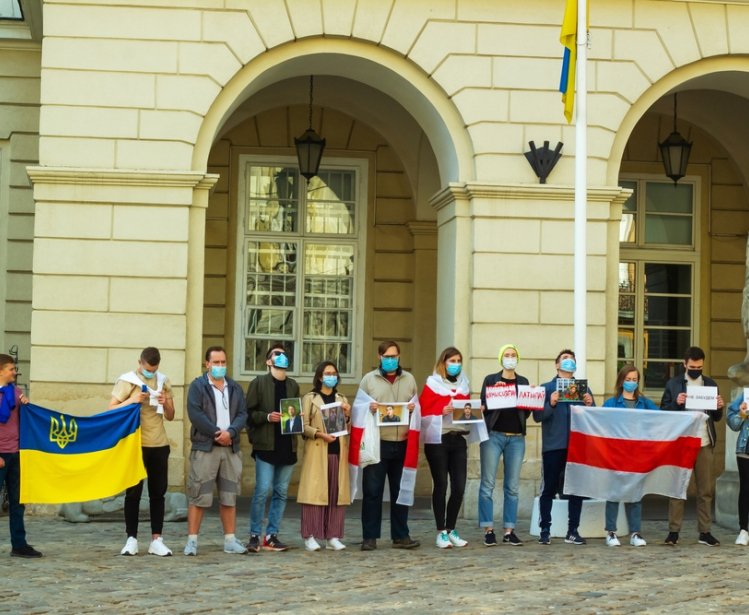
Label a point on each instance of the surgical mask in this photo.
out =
(218, 371)
(568, 365)
(146, 374)
(629, 385)
(330, 381)
(453, 369)
(509, 363)
(694, 373)
(281, 361)
(389, 364)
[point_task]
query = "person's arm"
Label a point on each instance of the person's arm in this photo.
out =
(195, 412)
(737, 413)
(649, 403)
(550, 403)
(257, 413)
(125, 394)
(667, 401)
(240, 420)
(166, 399)
(309, 431)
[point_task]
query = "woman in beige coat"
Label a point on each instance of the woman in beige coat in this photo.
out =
(324, 490)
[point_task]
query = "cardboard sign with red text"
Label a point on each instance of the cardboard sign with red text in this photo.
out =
(501, 396)
(530, 397)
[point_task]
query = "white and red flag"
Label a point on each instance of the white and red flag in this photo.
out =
(622, 454)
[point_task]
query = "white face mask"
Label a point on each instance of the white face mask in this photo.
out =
(509, 363)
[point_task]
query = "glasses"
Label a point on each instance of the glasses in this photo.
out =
(275, 353)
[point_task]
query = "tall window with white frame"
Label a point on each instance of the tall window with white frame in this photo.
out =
(299, 264)
(658, 277)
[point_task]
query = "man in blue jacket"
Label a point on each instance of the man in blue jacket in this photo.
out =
(216, 408)
(675, 398)
(555, 436)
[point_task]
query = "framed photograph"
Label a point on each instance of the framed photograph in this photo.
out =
(392, 415)
(467, 411)
(291, 416)
(571, 390)
(334, 419)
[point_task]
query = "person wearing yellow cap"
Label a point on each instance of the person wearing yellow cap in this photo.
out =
(506, 429)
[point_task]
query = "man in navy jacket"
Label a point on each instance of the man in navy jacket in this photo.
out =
(555, 437)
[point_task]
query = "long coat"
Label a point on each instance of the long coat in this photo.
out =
(313, 482)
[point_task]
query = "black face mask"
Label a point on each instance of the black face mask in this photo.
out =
(694, 373)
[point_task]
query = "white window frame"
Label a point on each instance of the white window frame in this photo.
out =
(361, 167)
(640, 253)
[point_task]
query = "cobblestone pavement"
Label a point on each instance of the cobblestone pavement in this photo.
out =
(82, 573)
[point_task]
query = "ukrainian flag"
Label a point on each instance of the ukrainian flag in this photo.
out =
(568, 38)
(68, 458)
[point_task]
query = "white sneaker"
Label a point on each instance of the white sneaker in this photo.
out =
(612, 540)
(191, 548)
(743, 538)
(443, 541)
(636, 540)
(335, 544)
(455, 540)
(311, 544)
(234, 546)
(131, 547)
(158, 547)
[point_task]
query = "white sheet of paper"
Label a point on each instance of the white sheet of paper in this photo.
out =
(498, 397)
(702, 398)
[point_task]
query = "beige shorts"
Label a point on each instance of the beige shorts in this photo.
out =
(220, 467)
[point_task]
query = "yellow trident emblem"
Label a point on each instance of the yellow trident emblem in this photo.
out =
(60, 434)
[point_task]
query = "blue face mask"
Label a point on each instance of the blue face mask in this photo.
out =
(389, 364)
(281, 361)
(218, 371)
(453, 369)
(330, 381)
(629, 386)
(568, 365)
(146, 374)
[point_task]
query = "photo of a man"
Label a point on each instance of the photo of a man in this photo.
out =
(466, 411)
(291, 417)
(391, 414)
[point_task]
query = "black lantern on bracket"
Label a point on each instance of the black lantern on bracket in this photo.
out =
(310, 146)
(675, 152)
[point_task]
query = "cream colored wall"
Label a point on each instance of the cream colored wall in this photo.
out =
(398, 304)
(19, 128)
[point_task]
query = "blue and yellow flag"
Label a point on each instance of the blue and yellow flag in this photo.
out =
(68, 458)
(568, 38)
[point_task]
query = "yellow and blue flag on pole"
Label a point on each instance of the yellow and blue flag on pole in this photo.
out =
(68, 458)
(568, 38)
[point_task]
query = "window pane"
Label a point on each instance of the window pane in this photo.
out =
(668, 278)
(656, 374)
(667, 198)
(272, 199)
(628, 228)
(625, 346)
(631, 203)
(669, 311)
(339, 353)
(11, 9)
(330, 204)
(668, 229)
(667, 343)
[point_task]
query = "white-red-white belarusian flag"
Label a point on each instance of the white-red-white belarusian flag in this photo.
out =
(622, 454)
(361, 417)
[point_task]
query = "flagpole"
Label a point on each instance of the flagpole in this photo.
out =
(580, 316)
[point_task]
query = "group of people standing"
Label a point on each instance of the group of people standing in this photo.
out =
(219, 412)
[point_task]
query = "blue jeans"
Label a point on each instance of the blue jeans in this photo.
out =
(634, 515)
(10, 473)
(513, 449)
(268, 476)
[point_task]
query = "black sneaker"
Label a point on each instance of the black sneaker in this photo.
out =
(405, 543)
(512, 539)
(272, 543)
(490, 539)
(25, 551)
(672, 538)
(254, 545)
(369, 544)
(573, 538)
(544, 538)
(706, 538)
